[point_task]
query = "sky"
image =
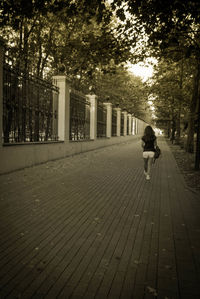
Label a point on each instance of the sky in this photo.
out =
(145, 71)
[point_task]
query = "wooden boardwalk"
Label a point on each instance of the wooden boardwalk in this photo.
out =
(91, 226)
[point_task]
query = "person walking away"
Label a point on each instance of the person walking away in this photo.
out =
(149, 142)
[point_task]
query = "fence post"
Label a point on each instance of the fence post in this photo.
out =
(93, 116)
(136, 126)
(118, 121)
(1, 89)
(129, 123)
(63, 106)
(108, 119)
(125, 123)
(133, 126)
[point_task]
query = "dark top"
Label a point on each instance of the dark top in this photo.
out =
(149, 143)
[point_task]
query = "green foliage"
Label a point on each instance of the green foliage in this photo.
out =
(77, 35)
(171, 90)
(12, 11)
(170, 26)
(122, 89)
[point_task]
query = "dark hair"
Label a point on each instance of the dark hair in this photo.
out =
(149, 133)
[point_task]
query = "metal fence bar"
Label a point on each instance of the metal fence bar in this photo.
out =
(30, 107)
(79, 116)
(122, 125)
(101, 120)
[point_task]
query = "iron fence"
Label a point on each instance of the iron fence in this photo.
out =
(122, 125)
(79, 116)
(30, 107)
(101, 120)
(114, 123)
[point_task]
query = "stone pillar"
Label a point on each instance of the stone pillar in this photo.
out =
(93, 116)
(125, 123)
(108, 119)
(1, 89)
(136, 126)
(129, 124)
(118, 110)
(63, 106)
(133, 126)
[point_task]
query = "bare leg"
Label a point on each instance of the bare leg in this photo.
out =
(150, 161)
(145, 164)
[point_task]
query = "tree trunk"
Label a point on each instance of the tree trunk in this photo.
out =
(193, 105)
(178, 125)
(173, 130)
(178, 121)
(197, 155)
(173, 122)
(168, 129)
(25, 50)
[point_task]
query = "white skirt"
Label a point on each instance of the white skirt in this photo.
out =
(147, 155)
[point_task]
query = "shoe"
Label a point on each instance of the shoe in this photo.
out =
(148, 177)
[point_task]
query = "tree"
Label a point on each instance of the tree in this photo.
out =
(172, 96)
(90, 46)
(171, 25)
(13, 11)
(123, 89)
(77, 36)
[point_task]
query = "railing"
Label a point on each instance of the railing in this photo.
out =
(30, 107)
(79, 116)
(101, 120)
(114, 123)
(122, 125)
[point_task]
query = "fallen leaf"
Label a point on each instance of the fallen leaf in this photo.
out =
(168, 267)
(97, 220)
(152, 291)
(118, 257)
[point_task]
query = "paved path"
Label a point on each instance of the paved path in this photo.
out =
(91, 226)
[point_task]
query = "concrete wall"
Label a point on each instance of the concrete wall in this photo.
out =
(14, 157)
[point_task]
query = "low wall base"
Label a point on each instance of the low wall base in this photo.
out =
(15, 157)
